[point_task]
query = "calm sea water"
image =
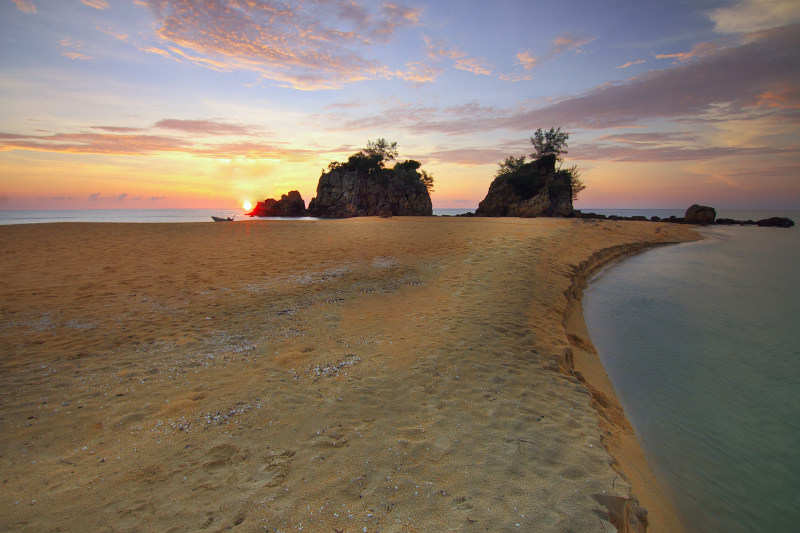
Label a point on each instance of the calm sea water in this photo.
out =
(38, 216)
(702, 343)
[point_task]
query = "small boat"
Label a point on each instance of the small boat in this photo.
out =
(221, 219)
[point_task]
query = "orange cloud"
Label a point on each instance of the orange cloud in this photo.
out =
(699, 50)
(784, 97)
(475, 65)
(515, 77)
(559, 45)
(158, 51)
(569, 42)
(438, 50)
(97, 4)
(419, 72)
(630, 64)
(112, 33)
(71, 50)
(527, 60)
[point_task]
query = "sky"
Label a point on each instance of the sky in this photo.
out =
(212, 103)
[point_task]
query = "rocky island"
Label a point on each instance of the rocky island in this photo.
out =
(290, 205)
(363, 186)
(534, 189)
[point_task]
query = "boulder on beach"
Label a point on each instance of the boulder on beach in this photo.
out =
(700, 214)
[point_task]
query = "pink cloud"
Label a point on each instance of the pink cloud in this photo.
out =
(116, 129)
(26, 6)
(95, 143)
(734, 77)
(514, 77)
(303, 46)
(206, 127)
(661, 154)
(121, 141)
(756, 77)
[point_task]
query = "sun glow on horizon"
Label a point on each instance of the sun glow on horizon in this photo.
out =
(247, 206)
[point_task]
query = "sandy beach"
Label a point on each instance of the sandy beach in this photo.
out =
(368, 374)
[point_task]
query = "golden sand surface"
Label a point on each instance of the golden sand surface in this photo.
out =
(369, 374)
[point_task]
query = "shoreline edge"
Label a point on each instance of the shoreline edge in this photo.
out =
(582, 361)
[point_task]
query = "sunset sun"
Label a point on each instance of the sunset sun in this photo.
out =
(247, 206)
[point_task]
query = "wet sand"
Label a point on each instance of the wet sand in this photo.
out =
(400, 374)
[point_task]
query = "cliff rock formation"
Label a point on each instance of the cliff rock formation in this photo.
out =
(700, 214)
(290, 205)
(345, 193)
(535, 189)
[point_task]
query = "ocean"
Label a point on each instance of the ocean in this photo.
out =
(702, 344)
(40, 216)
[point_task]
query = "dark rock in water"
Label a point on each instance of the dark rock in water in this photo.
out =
(730, 222)
(380, 192)
(534, 190)
(776, 222)
(655, 219)
(700, 214)
(591, 216)
(290, 205)
(639, 218)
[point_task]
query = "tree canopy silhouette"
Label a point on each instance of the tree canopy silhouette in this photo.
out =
(546, 143)
(372, 161)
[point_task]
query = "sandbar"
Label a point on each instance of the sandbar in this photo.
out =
(367, 374)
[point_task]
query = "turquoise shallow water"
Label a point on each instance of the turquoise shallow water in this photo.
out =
(702, 344)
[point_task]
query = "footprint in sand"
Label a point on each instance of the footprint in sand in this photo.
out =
(220, 457)
(272, 470)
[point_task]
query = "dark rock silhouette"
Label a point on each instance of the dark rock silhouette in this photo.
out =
(290, 205)
(535, 189)
(776, 222)
(700, 214)
(696, 214)
(380, 192)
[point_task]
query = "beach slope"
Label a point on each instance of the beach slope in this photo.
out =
(369, 374)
